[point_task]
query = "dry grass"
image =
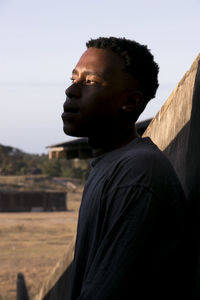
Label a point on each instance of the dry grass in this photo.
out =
(32, 243)
(37, 183)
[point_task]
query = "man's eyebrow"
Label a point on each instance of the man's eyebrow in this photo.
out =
(75, 72)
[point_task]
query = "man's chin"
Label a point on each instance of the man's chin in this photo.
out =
(75, 132)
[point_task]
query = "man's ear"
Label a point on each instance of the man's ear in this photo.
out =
(134, 101)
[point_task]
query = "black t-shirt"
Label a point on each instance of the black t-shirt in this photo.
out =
(130, 228)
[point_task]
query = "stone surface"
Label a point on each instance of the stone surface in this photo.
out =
(176, 131)
(170, 129)
(56, 286)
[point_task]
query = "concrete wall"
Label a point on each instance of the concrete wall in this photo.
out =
(176, 131)
(32, 201)
(171, 127)
(56, 286)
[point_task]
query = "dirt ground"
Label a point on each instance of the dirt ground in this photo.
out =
(32, 243)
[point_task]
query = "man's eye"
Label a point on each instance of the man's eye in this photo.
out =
(90, 81)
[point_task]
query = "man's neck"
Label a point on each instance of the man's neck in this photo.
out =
(109, 142)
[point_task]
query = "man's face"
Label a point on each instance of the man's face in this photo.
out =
(94, 101)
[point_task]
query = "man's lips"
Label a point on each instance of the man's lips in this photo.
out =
(69, 112)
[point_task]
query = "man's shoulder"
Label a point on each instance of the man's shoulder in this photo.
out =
(143, 153)
(141, 163)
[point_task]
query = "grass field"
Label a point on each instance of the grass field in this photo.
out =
(32, 243)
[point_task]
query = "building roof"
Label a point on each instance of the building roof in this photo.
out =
(68, 143)
(140, 126)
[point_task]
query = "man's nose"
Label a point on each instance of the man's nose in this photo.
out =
(73, 91)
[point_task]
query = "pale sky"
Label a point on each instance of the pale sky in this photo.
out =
(42, 40)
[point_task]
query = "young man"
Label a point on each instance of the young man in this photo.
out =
(132, 212)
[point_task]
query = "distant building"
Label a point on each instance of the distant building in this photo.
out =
(79, 148)
(18, 201)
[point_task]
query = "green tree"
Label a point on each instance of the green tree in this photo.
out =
(52, 168)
